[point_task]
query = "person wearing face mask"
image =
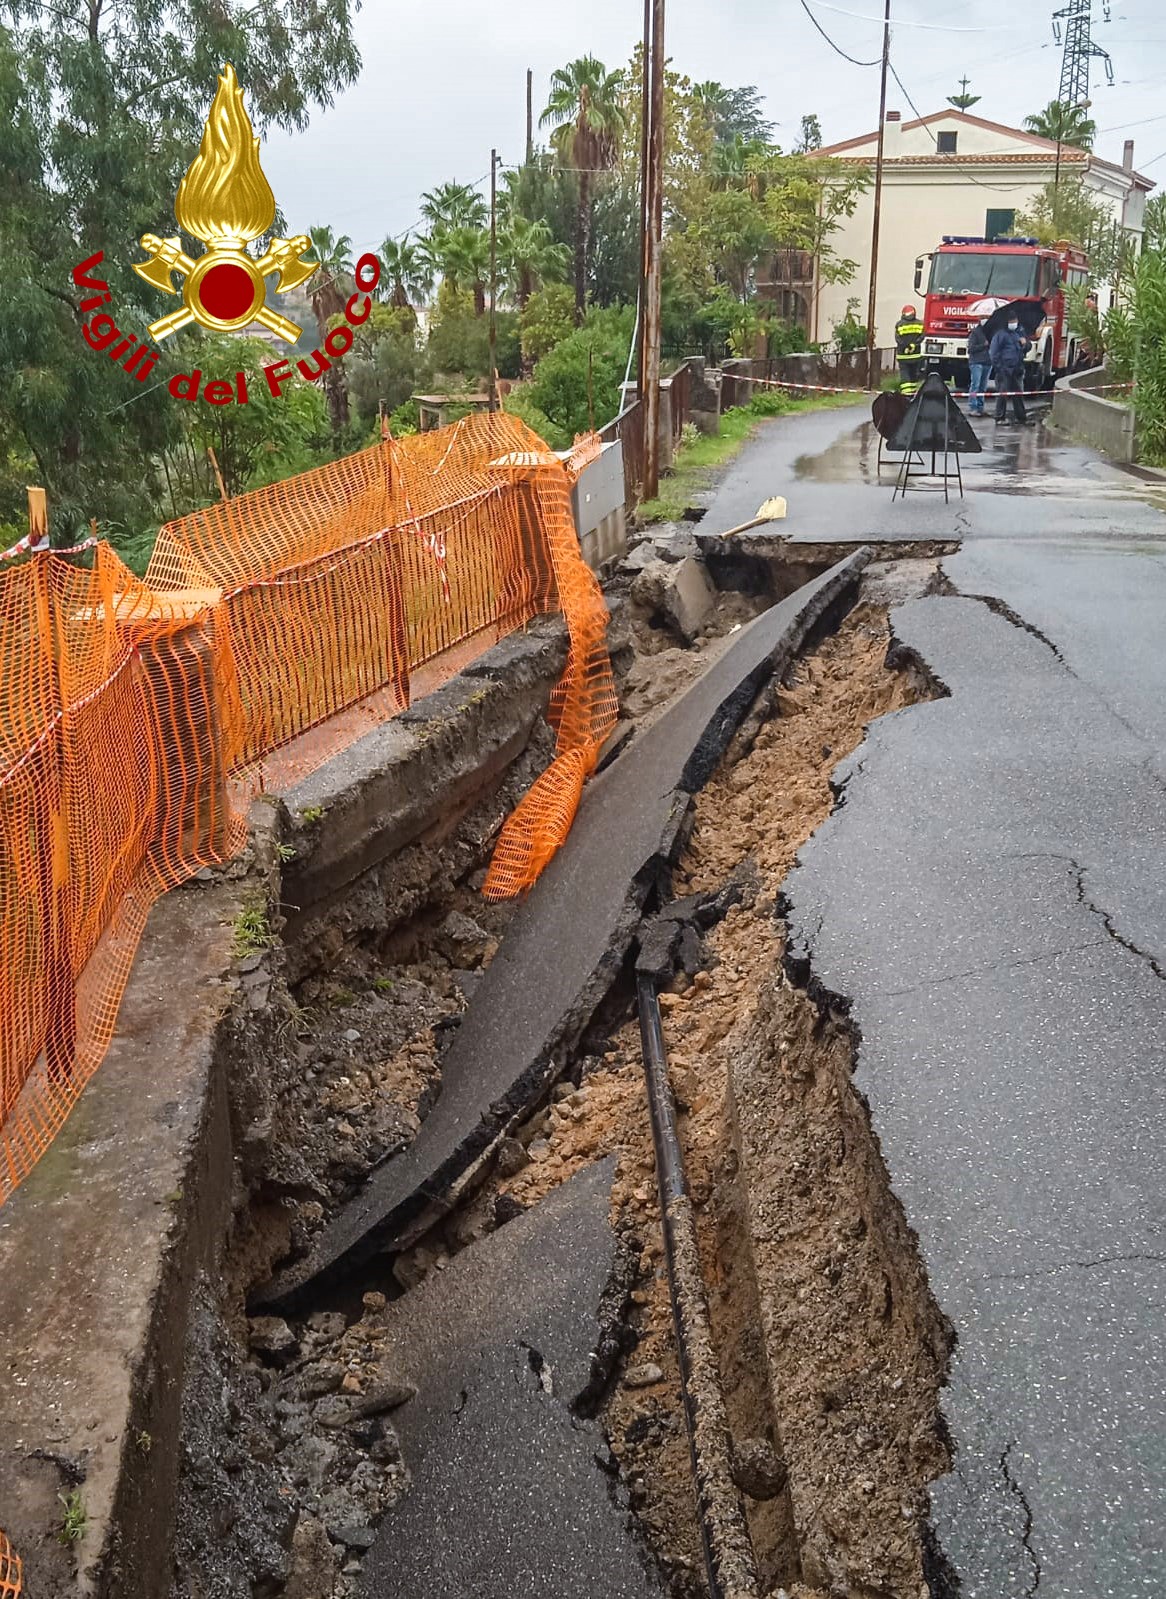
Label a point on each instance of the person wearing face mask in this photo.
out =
(1007, 355)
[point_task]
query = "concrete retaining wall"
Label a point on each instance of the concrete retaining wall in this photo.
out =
(599, 503)
(1095, 419)
(847, 371)
(104, 1244)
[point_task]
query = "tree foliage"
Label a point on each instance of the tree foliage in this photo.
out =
(579, 380)
(1067, 124)
(586, 110)
(546, 320)
(1071, 212)
(733, 113)
(102, 106)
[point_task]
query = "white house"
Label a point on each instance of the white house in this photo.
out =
(954, 173)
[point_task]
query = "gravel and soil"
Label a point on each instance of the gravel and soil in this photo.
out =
(286, 1468)
(831, 1349)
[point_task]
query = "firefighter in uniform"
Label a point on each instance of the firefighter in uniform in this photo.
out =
(909, 348)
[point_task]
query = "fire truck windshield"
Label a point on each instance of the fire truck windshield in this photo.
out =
(1007, 276)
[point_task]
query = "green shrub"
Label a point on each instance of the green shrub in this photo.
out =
(405, 419)
(850, 333)
(520, 404)
(1150, 358)
(785, 338)
(560, 384)
(548, 319)
(770, 402)
(1120, 334)
(459, 342)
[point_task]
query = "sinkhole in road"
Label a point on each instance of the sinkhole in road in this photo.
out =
(831, 1349)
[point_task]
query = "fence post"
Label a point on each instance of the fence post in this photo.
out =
(60, 1040)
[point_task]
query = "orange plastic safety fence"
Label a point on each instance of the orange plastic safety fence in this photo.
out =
(584, 706)
(10, 1570)
(137, 718)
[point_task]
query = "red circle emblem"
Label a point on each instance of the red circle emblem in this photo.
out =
(227, 291)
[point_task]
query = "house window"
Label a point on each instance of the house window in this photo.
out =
(999, 224)
(946, 143)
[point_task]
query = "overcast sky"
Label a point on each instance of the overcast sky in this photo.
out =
(442, 82)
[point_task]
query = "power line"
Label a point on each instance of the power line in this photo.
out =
(992, 188)
(837, 48)
(1119, 127)
(932, 27)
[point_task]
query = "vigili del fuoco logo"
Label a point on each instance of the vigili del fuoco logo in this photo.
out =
(225, 201)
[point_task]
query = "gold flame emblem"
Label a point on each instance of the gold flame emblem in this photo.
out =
(225, 201)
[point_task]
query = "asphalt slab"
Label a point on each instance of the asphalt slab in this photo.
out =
(509, 1495)
(566, 943)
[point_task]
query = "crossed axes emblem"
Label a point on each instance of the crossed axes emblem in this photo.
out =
(224, 289)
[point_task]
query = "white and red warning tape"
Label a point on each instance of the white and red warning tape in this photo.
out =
(25, 546)
(956, 394)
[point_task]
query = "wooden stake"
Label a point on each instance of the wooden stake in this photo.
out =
(214, 460)
(38, 517)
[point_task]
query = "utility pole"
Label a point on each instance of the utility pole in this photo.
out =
(872, 304)
(645, 198)
(529, 116)
(493, 386)
(650, 394)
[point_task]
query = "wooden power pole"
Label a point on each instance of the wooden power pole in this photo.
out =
(872, 306)
(493, 384)
(654, 178)
(529, 115)
(645, 198)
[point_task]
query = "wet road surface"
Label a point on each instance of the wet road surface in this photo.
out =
(992, 897)
(826, 464)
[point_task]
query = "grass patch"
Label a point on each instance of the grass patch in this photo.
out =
(75, 1519)
(695, 463)
(251, 932)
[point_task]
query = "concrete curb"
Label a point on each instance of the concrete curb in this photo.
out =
(101, 1247)
(1093, 419)
(564, 950)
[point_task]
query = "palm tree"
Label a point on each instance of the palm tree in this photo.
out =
(462, 256)
(1064, 124)
(586, 109)
(408, 272)
(454, 205)
(530, 256)
(733, 113)
(329, 288)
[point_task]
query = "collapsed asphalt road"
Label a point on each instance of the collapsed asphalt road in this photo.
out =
(991, 898)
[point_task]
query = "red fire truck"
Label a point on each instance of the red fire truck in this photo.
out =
(970, 278)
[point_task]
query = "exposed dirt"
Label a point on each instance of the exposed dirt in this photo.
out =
(831, 1349)
(663, 669)
(285, 1469)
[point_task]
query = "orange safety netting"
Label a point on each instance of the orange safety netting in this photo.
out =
(10, 1584)
(138, 717)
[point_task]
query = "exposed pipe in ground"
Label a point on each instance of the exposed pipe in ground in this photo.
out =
(728, 1548)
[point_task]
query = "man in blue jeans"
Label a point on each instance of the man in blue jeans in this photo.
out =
(980, 366)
